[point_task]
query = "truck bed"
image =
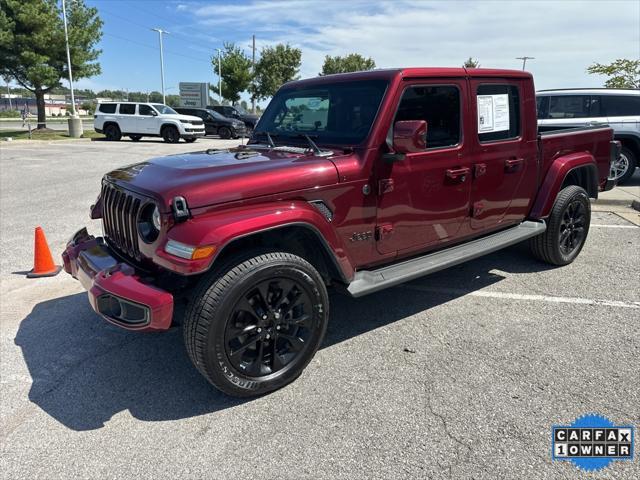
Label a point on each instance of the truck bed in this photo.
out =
(554, 142)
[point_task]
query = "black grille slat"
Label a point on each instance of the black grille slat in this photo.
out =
(119, 219)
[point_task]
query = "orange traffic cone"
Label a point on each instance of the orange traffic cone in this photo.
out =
(43, 265)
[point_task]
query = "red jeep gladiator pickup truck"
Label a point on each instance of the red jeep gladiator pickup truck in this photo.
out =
(361, 181)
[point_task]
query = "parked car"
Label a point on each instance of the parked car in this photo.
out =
(618, 108)
(216, 124)
(360, 181)
(249, 119)
(137, 120)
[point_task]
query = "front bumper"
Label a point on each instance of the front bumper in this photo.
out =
(115, 292)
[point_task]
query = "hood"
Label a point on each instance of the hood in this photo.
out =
(219, 176)
(179, 116)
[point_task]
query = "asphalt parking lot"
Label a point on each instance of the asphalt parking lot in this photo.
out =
(457, 375)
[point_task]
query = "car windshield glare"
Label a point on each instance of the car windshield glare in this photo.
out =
(164, 109)
(332, 113)
(216, 115)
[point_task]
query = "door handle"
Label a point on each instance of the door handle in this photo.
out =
(513, 164)
(458, 173)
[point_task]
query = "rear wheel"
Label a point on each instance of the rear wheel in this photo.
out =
(135, 138)
(170, 134)
(567, 228)
(224, 132)
(112, 132)
(253, 327)
(624, 167)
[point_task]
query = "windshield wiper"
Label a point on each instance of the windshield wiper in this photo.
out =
(314, 147)
(269, 136)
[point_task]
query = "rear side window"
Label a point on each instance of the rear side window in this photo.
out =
(620, 105)
(498, 112)
(439, 106)
(127, 109)
(107, 108)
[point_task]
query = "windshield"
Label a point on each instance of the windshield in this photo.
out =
(331, 113)
(240, 110)
(164, 110)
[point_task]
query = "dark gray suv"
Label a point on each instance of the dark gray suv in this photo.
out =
(619, 108)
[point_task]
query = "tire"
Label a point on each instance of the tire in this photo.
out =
(112, 132)
(231, 337)
(224, 132)
(170, 134)
(567, 228)
(625, 166)
(135, 138)
(190, 140)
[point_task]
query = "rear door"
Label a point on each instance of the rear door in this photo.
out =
(504, 160)
(127, 118)
(424, 199)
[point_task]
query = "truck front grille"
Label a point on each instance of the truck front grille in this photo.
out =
(120, 219)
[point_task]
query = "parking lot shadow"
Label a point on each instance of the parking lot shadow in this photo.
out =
(84, 370)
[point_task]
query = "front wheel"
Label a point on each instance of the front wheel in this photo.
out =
(567, 228)
(171, 134)
(255, 326)
(224, 132)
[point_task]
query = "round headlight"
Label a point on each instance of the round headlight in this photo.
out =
(149, 223)
(155, 218)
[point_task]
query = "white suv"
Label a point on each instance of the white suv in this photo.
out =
(618, 108)
(138, 120)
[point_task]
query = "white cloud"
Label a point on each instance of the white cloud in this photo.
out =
(564, 37)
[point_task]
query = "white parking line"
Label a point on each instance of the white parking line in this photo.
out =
(613, 226)
(518, 296)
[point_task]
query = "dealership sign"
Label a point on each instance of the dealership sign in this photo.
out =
(194, 94)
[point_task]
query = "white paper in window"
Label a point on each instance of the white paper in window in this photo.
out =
(493, 113)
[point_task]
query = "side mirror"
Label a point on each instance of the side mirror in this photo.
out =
(154, 113)
(409, 136)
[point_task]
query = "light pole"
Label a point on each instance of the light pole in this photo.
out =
(253, 70)
(524, 60)
(9, 93)
(66, 41)
(160, 32)
(219, 76)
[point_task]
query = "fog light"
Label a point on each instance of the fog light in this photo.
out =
(187, 251)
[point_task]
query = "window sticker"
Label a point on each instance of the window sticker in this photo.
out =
(493, 113)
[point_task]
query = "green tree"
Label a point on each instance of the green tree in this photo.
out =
(236, 71)
(354, 62)
(471, 63)
(623, 73)
(32, 44)
(277, 65)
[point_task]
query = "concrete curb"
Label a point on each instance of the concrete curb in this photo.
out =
(636, 205)
(614, 202)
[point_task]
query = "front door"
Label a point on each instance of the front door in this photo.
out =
(424, 199)
(147, 122)
(503, 157)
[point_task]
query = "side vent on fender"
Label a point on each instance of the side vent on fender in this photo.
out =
(323, 209)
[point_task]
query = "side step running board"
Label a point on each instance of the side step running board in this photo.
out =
(369, 281)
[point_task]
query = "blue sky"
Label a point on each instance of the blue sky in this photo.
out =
(563, 36)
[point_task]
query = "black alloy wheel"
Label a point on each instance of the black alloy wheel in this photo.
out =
(170, 134)
(224, 132)
(270, 327)
(572, 227)
(112, 133)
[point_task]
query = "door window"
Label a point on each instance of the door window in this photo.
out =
(439, 106)
(620, 105)
(145, 110)
(569, 106)
(127, 109)
(498, 112)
